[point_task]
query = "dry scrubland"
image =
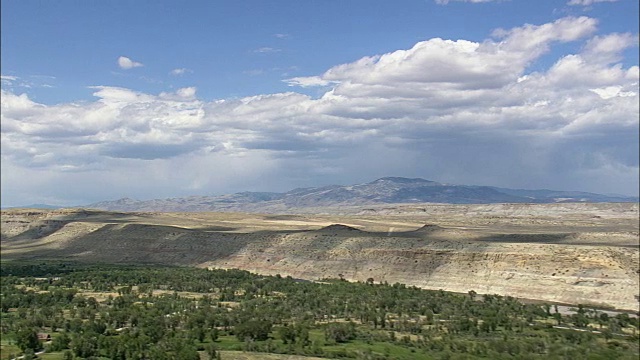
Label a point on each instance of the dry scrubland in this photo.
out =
(567, 253)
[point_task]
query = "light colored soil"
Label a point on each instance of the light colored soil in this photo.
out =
(566, 253)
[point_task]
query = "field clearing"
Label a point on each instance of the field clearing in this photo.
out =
(240, 355)
(7, 348)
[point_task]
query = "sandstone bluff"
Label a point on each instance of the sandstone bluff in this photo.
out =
(566, 253)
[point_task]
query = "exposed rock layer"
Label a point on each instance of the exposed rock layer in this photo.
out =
(595, 261)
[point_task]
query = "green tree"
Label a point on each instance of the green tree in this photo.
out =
(60, 343)
(340, 332)
(84, 345)
(211, 350)
(27, 338)
(214, 334)
(287, 334)
(29, 354)
(187, 353)
(302, 333)
(253, 330)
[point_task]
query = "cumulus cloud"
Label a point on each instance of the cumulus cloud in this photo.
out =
(439, 66)
(180, 71)
(608, 48)
(126, 63)
(612, 91)
(453, 111)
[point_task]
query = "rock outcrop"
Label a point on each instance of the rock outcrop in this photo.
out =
(591, 264)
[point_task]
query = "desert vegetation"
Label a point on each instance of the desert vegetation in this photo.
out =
(153, 312)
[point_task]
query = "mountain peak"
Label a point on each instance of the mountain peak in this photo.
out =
(402, 180)
(126, 200)
(386, 190)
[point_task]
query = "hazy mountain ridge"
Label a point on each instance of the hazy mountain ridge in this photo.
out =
(386, 190)
(578, 196)
(34, 206)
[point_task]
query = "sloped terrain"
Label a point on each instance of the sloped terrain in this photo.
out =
(388, 190)
(569, 253)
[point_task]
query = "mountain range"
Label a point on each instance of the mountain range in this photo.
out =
(387, 190)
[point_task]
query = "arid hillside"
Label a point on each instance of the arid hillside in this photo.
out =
(383, 191)
(568, 253)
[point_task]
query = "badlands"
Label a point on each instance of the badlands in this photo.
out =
(568, 253)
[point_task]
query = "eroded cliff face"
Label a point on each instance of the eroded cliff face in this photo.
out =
(597, 275)
(599, 266)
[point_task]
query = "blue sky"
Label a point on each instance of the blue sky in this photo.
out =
(209, 97)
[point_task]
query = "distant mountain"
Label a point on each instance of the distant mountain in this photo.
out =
(388, 190)
(566, 196)
(34, 206)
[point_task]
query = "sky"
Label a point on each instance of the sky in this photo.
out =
(157, 99)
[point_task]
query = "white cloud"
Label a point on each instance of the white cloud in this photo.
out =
(266, 50)
(8, 78)
(454, 111)
(126, 63)
(308, 81)
(180, 71)
(535, 39)
(187, 93)
(587, 2)
(438, 66)
(613, 91)
(28, 81)
(608, 48)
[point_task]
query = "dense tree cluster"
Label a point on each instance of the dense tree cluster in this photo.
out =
(135, 312)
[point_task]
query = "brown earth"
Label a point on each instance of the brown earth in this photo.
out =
(568, 253)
